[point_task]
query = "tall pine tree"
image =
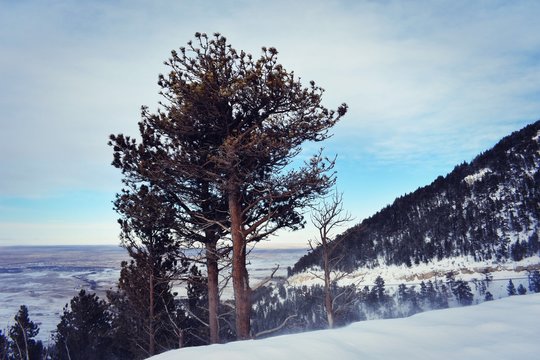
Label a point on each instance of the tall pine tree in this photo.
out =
(22, 335)
(144, 304)
(510, 288)
(231, 126)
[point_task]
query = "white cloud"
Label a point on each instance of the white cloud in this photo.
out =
(79, 71)
(426, 82)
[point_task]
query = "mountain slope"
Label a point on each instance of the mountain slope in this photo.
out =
(488, 210)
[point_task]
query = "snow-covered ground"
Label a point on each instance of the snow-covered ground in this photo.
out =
(500, 329)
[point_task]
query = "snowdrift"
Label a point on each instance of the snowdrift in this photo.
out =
(501, 329)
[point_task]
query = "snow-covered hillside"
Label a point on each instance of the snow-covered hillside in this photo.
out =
(486, 209)
(501, 329)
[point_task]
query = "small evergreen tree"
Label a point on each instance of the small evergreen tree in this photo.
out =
(83, 331)
(488, 297)
(443, 295)
(431, 295)
(511, 289)
(146, 320)
(379, 290)
(4, 346)
(462, 292)
(413, 298)
(423, 295)
(22, 334)
(534, 281)
(145, 313)
(521, 290)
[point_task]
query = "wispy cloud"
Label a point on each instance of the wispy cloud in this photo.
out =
(425, 81)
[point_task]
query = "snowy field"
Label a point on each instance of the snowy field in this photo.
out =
(500, 329)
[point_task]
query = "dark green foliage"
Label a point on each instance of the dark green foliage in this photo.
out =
(534, 281)
(229, 128)
(377, 300)
(462, 292)
(84, 329)
(454, 217)
(533, 245)
(146, 319)
(521, 290)
(409, 300)
(518, 250)
(22, 334)
(297, 309)
(4, 346)
(145, 313)
(510, 288)
(435, 295)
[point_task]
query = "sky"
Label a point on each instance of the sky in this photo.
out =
(429, 85)
(501, 329)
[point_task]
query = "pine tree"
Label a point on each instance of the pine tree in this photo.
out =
(534, 281)
(144, 303)
(188, 202)
(462, 292)
(423, 295)
(443, 295)
(521, 290)
(146, 319)
(234, 124)
(511, 289)
(379, 290)
(84, 329)
(4, 346)
(431, 295)
(488, 296)
(22, 334)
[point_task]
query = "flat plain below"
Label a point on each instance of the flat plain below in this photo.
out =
(45, 278)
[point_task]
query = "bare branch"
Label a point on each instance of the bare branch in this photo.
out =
(277, 328)
(266, 279)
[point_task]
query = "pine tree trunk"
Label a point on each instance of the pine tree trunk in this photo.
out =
(242, 292)
(212, 270)
(151, 339)
(213, 290)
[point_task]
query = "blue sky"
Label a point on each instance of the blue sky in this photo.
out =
(429, 85)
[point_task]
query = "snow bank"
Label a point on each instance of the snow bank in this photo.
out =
(471, 179)
(464, 268)
(501, 329)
